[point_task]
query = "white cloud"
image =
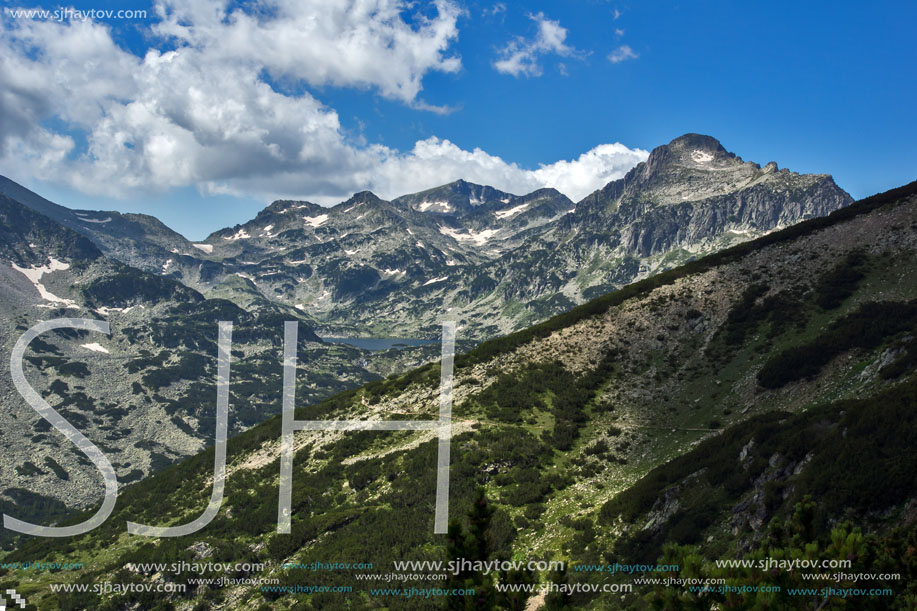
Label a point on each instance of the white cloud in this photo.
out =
(77, 109)
(592, 170)
(497, 9)
(622, 54)
(520, 56)
(433, 162)
(336, 42)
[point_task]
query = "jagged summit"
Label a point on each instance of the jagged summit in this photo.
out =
(364, 197)
(138, 240)
(695, 151)
(696, 167)
(455, 198)
(285, 204)
(700, 142)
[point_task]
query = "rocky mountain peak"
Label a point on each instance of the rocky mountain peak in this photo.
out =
(282, 205)
(695, 167)
(456, 198)
(459, 186)
(695, 142)
(695, 151)
(543, 193)
(365, 197)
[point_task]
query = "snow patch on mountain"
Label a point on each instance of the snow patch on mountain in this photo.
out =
(434, 206)
(511, 212)
(34, 275)
(316, 221)
(105, 311)
(702, 156)
(478, 237)
(82, 217)
(239, 235)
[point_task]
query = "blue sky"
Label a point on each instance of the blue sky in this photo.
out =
(202, 115)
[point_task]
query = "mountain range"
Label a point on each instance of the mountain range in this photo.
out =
(488, 259)
(493, 261)
(754, 403)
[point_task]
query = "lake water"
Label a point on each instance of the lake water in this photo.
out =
(380, 343)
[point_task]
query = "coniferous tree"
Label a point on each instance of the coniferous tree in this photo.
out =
(470, 545)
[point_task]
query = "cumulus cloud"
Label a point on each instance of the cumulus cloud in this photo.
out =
(433, 162)
(592, 170)
(520, 57)
(622, 54)
(336, 42)
(77, 109)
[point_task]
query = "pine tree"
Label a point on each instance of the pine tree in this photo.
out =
(468, 546)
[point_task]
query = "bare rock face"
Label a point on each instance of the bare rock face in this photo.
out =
(693, 191)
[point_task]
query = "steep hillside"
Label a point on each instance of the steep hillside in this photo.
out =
(649, 415)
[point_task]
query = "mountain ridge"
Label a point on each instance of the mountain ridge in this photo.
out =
(494, 260)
